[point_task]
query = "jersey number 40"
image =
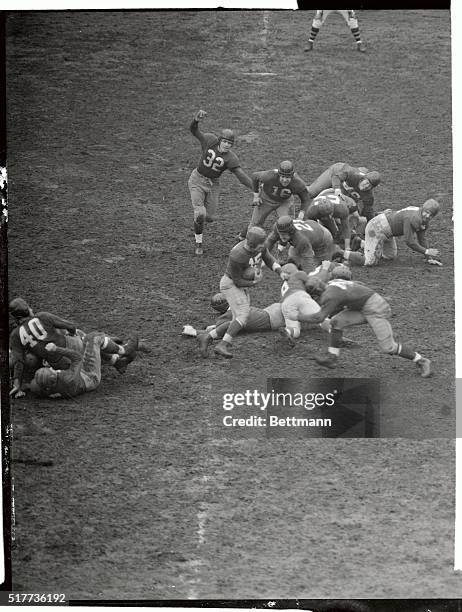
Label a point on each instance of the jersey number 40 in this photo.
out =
(31, 332)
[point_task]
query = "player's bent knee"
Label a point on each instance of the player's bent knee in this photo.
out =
(337, 325)
(199, 215)
(391, 348)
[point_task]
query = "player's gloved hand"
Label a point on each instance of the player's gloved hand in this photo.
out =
(434, 262)
(432, 253)
(338, 192)
(325, 265)
(200, 115)
(301, 215)
(50, 346)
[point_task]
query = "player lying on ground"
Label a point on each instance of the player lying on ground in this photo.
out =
(84, 372)
(270, 318)
(356, 303)
(297, 304)
(411, 222)
(32, 333)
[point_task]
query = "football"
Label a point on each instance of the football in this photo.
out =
(249, 273)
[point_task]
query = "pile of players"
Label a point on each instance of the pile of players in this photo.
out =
(336, 221)
(51, 357)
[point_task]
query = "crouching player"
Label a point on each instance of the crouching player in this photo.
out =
(355, 304)
(381, 231)
(84, 373)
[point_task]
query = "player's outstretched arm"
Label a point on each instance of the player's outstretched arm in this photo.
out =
(242, 177)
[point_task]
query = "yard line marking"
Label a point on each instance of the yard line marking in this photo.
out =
(260, 73)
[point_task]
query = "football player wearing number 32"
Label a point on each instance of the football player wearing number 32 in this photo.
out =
(216, 157)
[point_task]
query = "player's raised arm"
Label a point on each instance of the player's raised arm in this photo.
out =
(194, 126)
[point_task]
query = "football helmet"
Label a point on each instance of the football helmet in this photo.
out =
(325, 207)
(285, 225)
(19, 308)
(373, 177)
(286, 168)
(255, 236)
(431, 206)
(219, 303)
(341, 271)
(228, 135)
(45, 378)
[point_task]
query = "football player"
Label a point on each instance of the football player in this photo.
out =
(216, 157)
(243, 270)
(34, 332)
(310, 242)
(334, 213)
(411, 222)
(84, 371)
(356, 183)
(274, 190)
(350, 19)
(258, 320)
(355, 303)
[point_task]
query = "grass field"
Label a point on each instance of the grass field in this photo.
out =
(148, 497)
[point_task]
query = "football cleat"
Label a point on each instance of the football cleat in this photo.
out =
(309, 47)
(328, 360)
(199, 250)
(204, 340)
(222, 349)
(425, 367)
(361, 47)
(284, 333)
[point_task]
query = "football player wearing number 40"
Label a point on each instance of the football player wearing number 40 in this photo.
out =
(216, 157)
(34, 332)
